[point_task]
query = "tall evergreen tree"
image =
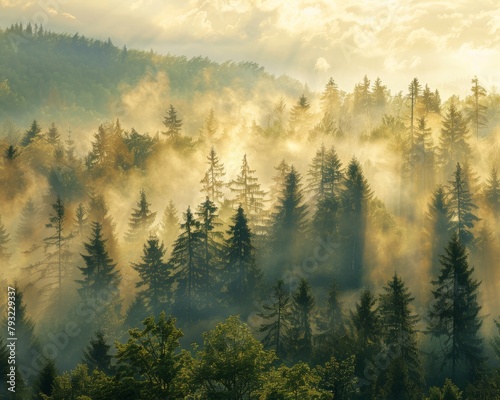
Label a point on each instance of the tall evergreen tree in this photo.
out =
(141, 220)
(423, 157)
(169, 225)
(11, 153)
(300, 338)
(28, 228)
(362, 97)
(282, 170)
(210, 127)
(354, 197)
(154, 275)
(455, 314)
(438, 226)
(379, 95)
(45, 381)
(477, 110)
(403, 379)
(96, 355)
(325, 172)
(31, 134)
(365, 328)
(52, 136)
(278, 313)
(187, 273)
(80, 221)
(172, 123)
(246, 188)
(288, 229)
(243, 276)
(98, 211)
(462, 207)
(492, 192)
(300, 117)
(453, 142)
(99, 273)
(414, 90)
(212, 181)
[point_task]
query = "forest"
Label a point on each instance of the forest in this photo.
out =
(183, 229)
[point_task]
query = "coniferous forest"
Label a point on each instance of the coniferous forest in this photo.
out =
(184, 229)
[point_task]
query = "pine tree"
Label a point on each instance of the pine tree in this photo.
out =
(52, 136)
(210, 127)
(477, 111)
(300, 116)
(141, 220)
(403, 379)
(278, 313)
(11, 153)
(354, 197)
(453, 142)
(28, 227)
(247, 190)
(154, 276)
(4, 239)
(212, 181)
(80, 221)
(414, 90)
(169, 226)
(98, 211)
(462, 207)
(300, 339)
(325, 172)
(362, 97)
(97, 356)
(438, 226)
(282, 170)
(31, 134)
(172, 123)
(288, 230)
(99, 273)
(455, 313)
(379, 95)
(209, 248)
(50, 272)
(243, 276)
(330, 106)
(365, 328)
(45, 381)
(423, 157)
(136, 313)
(187, 274)
(332, 328)
(492, 192)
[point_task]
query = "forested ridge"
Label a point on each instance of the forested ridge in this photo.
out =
(279, 244)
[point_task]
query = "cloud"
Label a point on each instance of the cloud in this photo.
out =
(321, 65)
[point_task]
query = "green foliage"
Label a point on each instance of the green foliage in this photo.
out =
(448, 392)
(45, 381)
(97, 356)
(300, 336)
(212, 181)
(337, 378)
(141, 220)
(149, 358)
(455, 313)
(232, 363)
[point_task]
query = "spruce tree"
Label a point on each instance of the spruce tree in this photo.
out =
(365, 332)
(45, 381)
(455, 314)
(172, 123)
(80, 221)
(300, 117)
(403, 379)
(188, 276)
(379, 95)
(141, 220)
(453, 142)
(362, 97)
(169, 225)
(422, 157)
(11, 153)
(97, 356)
(300, 338)
(52, 136)
(477, 110)
(209, 248)
(414, 90)
(28, 228)
(354, 197)
(462, 207)
(212, 181)
(438, 226)
(210, 127)
(136, 313)
(243, 276)
(31, 134)
(279, 179)
(98, 211)
(325, 173)
(330, 107)
(492, 192)
(99, 273)
(246, 188)
(288, 230)
(277, 313)
(154, 275)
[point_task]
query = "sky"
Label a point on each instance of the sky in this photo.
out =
(442, 42)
